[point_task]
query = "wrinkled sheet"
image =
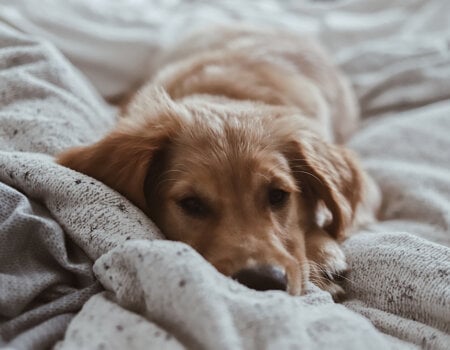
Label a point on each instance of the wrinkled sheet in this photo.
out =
(164, 295)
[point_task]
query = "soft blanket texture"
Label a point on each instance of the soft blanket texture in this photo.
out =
(162, 294)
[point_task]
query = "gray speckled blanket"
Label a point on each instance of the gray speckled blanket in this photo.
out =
(48, 213)
(55, 223)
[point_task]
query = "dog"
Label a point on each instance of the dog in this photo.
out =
(235, 148)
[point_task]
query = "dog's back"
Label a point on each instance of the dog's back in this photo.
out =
(271, 66)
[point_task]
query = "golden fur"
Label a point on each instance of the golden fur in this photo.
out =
(234, 121)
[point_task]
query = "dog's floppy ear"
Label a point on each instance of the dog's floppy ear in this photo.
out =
(122, 158)
(328, 173)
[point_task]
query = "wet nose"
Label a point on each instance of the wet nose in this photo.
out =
(263, 277)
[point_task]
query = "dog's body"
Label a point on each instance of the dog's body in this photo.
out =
(232, 154)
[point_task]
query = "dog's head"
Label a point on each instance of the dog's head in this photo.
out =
(241, 183)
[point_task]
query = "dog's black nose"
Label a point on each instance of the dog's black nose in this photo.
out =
(264, 277)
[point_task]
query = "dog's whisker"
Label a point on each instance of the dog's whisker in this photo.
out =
(342, 277)
(173, 171)
(323, 271)
(308, 173)
(163, 182)
(264, 176)
(303, 166)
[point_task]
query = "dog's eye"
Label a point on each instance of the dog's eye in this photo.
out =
(194, 206)
(277, 197)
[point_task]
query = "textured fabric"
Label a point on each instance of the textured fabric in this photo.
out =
(214, 312)
(45, 277)
(409, 156)
(164, 295)
(128, 325)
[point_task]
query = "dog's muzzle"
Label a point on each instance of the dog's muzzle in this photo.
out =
(263, 277)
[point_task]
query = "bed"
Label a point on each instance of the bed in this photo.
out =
(82, 268)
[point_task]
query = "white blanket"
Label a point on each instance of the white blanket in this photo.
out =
(162, 294)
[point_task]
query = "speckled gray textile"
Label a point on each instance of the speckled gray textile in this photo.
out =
(203, 309)
(45, 277)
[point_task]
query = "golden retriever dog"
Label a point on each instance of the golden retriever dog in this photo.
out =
(234, 148)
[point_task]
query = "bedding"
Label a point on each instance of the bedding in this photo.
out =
(81, 267)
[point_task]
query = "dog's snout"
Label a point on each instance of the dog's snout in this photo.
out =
(263, 277)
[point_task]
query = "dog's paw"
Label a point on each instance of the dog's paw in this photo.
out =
(329, 269)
